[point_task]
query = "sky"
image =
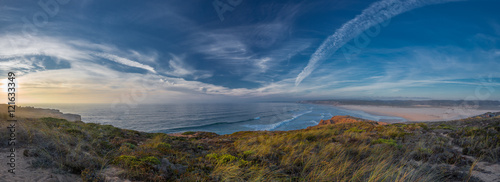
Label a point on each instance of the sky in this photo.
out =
(89, 51)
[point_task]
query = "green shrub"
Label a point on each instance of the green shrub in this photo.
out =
(163, 146)
(444, 126)
(311, 138)
(151, 160)
(242, 162)
(54, 122)
(393, 132)
(423, 125)
(225, 158)
(127, 161)
(248, 153)
(425, 150)
(129, 145)
(390, 142)
(355, 130)
(222, 159)
(74, 132)
(212, 156)
(188, 133)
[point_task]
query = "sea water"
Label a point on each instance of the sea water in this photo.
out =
(221, 118)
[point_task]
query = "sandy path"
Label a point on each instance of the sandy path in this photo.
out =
(25, 173)
(419, 113)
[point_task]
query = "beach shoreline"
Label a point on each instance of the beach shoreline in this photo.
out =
(418, 114)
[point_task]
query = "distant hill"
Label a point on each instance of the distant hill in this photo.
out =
(482, 104)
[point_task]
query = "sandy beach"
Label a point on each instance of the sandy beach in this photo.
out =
(419, 113)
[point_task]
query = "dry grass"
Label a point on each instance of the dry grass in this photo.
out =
(340, 152)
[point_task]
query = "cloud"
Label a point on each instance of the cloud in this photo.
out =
(220, 46)
(436, 62)
(10, 64)
(269, 66)
(15, 45)
(152, 57)
(389, 87)
(266, 35)
(376, 13)
(179, 68)
(262, 64)
(125, 61)
(86, 78)
(17, 48)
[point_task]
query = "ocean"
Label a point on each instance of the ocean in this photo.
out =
(221, 118)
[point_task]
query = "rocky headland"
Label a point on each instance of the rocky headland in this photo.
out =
(32, 112)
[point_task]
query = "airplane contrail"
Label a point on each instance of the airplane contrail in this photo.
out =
(376, 13)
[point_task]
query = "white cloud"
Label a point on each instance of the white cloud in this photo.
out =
(150, 58)
(179, 68)
(220, 46)
(86, 78)
(376, 13)
(274, 60)
(262, 64)
(11, 64)
(18, 46)
(125, 61)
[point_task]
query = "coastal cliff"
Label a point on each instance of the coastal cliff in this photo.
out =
(31, 112)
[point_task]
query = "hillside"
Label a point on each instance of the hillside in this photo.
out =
(460, 150)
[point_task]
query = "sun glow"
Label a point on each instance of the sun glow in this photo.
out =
(9, 85)
(4, 85)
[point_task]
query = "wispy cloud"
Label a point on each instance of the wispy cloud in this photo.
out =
(17, 47)
(125, 61)
(376, 13)
(179, 68)
(267, 66)
(10, 64)
(221, 46)
(86, 76)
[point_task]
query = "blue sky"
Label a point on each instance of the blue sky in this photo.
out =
(240, 50)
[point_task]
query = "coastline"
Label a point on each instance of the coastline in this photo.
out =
(160, 151)
(418, 113)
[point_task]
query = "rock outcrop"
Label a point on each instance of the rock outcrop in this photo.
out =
(347, 119)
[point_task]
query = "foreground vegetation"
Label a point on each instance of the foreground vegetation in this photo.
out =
(440, 151)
